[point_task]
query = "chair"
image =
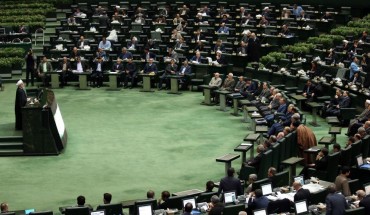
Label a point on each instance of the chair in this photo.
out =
(276, 150)
(111, 209)
(265, 163)
(332, 170)
(205, 197)
(257, 184)
(233, 209)
(77, 211)
(354, 185)
(356, 211)
(278, 206)
(318, 197)
(356, 150)
(281, 179)
(365, 146)
(42, 213)
(345, 157)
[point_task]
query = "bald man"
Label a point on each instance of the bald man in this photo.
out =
(301, 194)
(229, 83)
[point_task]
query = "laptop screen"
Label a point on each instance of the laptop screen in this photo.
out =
(27, 211)
(97, 213)
(229, 197)
(300, 179)
(359, 159)
(301, 207)
(191, 200)
(260, 212)
(266, 189)
(145, 210)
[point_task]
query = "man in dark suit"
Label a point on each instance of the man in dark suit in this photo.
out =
(343, 102)
(97, 74)
(147, 55)
(229, 183)
(66, 69)
(364, 201)
(20, 101)
(104, 20)
(198, 36)
(356, 79)
(82, 42)
(308, 90)
(242, 49)
(253, 49)
(336, 204)
(257, 201)
(80, 66)
(130, 73)
(301, 194)
(197, 58)
(171, 69)
(220, 59)
(150, 67)
(185, 70)
(188, 208)
(255, 162)
(118, 67)
(216, 206)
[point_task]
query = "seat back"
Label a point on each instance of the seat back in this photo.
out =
(354, 185)
(205, 197)
(356, 150)
(233, 209)
(281, 179)
(332, 169)
(111, 209)
(318, 197)
(77, 211)
(355, 211)
(276, 155)
(345, 157)
(265, 164)
(257, 184)
(278, 206)
(288, 148)
(365, 146)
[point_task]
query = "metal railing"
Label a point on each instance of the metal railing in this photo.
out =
(40, 30)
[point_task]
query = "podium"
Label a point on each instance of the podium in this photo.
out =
(207, 94)
(54, 79)
(146, 82)
(175, 84)
(113, 81)
(44, 131)
(82, 80)
(223, 94)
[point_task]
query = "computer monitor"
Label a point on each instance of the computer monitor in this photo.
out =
(299, 178)
(28, 211)
(359, 160)
(367, 188)
(189, 200)
(101, 212)
(41, 213)
(260, 212)
(175, 202)
(229, 197)
(205, 197)
(111, 209)
(300, 207)
(145, 210)
(266, 189)
(77, 211)
(152, 202)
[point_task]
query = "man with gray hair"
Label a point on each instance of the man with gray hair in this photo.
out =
(336, 204)
(242, 213)
(255, 162)
(251, 179)
(229, 83)
(216, 207)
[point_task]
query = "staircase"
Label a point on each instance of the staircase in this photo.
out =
(11, 146)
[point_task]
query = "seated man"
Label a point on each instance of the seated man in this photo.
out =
(333, 102)
(284, 31)
(82, 43)
(162, 202)
(229, 83)
(65, 68)
(321, 163)
(308, 91)
(220, 59)
(125, 55)
(251, 179)
(257, 201)
(359, 120)
(130, 72)
(242, 50)
(255, 162)
(301, 194)
(197, 58)
(97, 74)
(249, 89)
(284, 121)
(172, 55)
(101, 54)
(239, 85)
(271, 172)
(171, 69)
(79, 66)
(344, 102)
(81, 203)
(216, 81)
(281, 110)
(150, 67)
(147, 55)
(118, 67)
(219, 46)
(184, 71)
(223, 29)
(43, 69)
(105, 44)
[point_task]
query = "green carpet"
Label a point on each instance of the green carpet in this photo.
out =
(124, 143)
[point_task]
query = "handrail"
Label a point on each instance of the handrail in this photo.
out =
(43, 35)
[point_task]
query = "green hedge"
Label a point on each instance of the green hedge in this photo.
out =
(299, 48)
(326, 42)
(347, 31)
(12, 52)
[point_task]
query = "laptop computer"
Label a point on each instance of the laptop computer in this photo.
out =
(301, 207)
(260, 212)
(266, 189)
(299, 178)
(99, 212)
(229, 197)
(360, 162)
(189, 200)
(145, 210)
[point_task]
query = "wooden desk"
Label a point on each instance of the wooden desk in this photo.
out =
(222, 94)
(314, 106)
(252, 138)
(175, 84)
(146, 82)
(54, 79)
(82, 79)
(113, 85)
(243, 148)
(207, 94)
(312, 152)
(227, 159)
(188, 192)
(292, 162)
(299, 99)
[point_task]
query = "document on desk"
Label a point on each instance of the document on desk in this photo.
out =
(313, 188)
(289, 196)
(246, 144)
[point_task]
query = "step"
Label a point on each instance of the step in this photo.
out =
(11, 146)
(11, 152)
(11, 139)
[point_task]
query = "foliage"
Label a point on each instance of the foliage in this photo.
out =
(5, 64)
(277, 55)
(267, 59)
(298, 49)
(326, 42)
(347, 31)
(11, 52)
(337, 39)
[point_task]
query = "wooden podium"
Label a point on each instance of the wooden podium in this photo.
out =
(44, 131)
(207, 94)
(146, 82)
(82, 79)
(54, 79)
(175, 84)
(113, 85)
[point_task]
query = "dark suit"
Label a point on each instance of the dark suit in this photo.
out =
(104, 21)
(242, 50)
(258, 203)
(253, 50)
(20, 101)
(65, 73)
(302, 194)
(167, 72)
(131, 68)
(365, 202)
(150, 68)
(118, 67)
(147, 56)
(85, 43)
(199, 37)
(221, 60)
(343, 102)
(255, 162)
(185, 71)
(75, 55)
(336, 204)
(230, 184)
(217, 209)
(277, 127)
(194, 58)
(97, 76)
